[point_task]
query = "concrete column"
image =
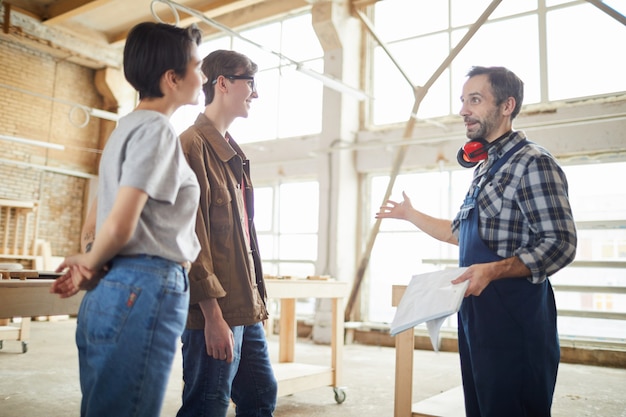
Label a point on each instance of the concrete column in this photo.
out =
(338, 179)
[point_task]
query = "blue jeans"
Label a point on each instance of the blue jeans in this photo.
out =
(127, 334)
(210, 383)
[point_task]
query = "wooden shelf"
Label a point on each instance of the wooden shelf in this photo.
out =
(297, 377)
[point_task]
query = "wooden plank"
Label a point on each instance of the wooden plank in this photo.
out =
(397, 291)
(10, 332)
(449, 403)
(288, 330)
(403, 390)
(21, 274)
(16, 203)
(92, 53)
(297, 377)
(301, 288)
(31, 298)
(336, 341)
(60, 11)
(405, 344)
(7, 222)
(16, 256)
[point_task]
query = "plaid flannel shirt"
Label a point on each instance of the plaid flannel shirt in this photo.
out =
(524, 210)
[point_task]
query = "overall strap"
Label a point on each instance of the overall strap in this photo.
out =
(470, 199)
(498, 164)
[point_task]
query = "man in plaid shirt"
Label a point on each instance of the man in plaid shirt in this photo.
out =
(514, 230)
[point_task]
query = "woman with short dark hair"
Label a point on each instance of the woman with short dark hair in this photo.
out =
(139, 237)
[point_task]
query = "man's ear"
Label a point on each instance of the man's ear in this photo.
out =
(221, 83)
(508, 106)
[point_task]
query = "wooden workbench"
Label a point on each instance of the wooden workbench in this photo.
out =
(294, 377)
(447, 404)
(31, 297)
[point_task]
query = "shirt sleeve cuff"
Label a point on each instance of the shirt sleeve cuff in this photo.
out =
(535, 265)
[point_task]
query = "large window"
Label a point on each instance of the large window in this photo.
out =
(600, 213)
(289, 102)
(554, 46)
(401, 250)
(590, 293)
(579, 45)
(286, 220)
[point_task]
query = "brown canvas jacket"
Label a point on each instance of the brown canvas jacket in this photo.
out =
(227, 268)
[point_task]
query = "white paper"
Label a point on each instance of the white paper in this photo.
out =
(429, 298)
(433, 327)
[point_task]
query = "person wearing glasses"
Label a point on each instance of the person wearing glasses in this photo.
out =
(139, 235)
(224, 349)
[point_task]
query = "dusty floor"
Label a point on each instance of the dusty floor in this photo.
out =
(44, 381)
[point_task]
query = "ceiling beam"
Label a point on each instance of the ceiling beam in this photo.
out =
(234, 14)
(29, 31)
(263, 12)
(48, 31)
(60, 11)
(222, 7)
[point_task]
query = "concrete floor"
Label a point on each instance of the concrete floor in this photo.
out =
(44, 381)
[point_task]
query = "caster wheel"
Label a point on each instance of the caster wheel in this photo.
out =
(340, 395)
(24, 347)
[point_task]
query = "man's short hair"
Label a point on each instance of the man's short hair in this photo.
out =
(504, 84)
(224, 62)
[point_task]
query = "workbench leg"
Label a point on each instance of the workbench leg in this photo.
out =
(403, 390)
(24, 329)
(288, 330)
(336, 341)
(336, 345)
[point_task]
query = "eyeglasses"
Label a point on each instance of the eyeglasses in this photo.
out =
(249, 78)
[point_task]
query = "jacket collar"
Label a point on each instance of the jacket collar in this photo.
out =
(225, 149)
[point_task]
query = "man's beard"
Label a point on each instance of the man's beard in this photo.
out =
(485, 126)
(476, 134)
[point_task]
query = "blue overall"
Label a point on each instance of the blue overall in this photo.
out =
(508, 341)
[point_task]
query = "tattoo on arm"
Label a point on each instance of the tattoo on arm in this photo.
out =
(89, 237)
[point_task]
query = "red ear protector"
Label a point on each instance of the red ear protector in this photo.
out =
(473, 152)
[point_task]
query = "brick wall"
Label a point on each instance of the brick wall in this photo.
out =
(34, 91)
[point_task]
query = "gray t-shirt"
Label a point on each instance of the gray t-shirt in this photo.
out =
(144, 152)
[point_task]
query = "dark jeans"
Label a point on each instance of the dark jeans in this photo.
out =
(210, 383)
